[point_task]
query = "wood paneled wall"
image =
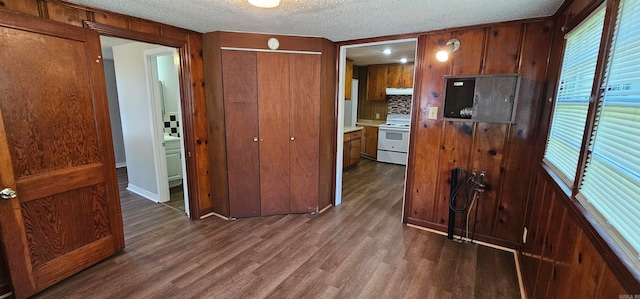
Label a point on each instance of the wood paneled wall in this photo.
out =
(368, 109)
(565, 255)
(503, 150)
(213, 42)
(558, 259)
(192, 90)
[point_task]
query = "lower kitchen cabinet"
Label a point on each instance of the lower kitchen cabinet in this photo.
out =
(351, 150)
(369, 142)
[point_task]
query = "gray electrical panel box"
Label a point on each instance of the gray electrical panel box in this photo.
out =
(481, 98)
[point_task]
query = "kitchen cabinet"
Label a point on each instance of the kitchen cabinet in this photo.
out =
(348, 77)
(377, 82)
(369, 142)
(272, 108)
(400, 76)
(351, 149)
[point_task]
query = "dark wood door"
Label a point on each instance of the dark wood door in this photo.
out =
(305, 132)
(240, 87)
(56, 152)
(273, 116)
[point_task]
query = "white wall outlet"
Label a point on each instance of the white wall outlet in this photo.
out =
(433, 113)
(377, 115)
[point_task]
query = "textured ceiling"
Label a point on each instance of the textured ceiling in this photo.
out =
(336, 20)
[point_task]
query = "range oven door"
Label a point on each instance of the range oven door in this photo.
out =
(392, 139)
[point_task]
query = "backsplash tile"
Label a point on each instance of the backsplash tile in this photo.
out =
(171, 124)
(399, 104)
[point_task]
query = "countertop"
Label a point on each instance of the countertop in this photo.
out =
(370, 122)
(351, 129)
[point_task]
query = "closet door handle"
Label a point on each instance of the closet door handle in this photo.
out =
(293, 138)
(255, 139)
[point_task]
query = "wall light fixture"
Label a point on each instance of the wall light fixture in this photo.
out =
(451, 46)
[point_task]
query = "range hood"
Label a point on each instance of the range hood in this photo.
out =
(399, 91)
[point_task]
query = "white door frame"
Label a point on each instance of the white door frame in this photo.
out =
(340, 126)
(157, 124)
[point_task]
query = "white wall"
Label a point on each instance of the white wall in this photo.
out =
(168, 74)
(114, 113)
(135, 112)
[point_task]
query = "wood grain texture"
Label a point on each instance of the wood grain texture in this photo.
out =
(241, 127)
(5, 280)
(273, 78)
(192, 89)
(559, 259)
(58, 141)
(358, 249)
(376, 82)
(426, 133)
(496, 148)
(304, 150)
(328, 124)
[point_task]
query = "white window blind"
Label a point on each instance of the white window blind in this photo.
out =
(611, 187)
(572, 100)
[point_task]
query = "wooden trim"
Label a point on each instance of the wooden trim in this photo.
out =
(135, 35)
(628, 276)
(575, 21)
(59, 181)
(457, 231)
(15, 20)
(186, 94)
(74, 262)
(415, 106)
(596, 91)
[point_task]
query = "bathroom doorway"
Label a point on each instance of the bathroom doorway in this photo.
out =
(143, 88)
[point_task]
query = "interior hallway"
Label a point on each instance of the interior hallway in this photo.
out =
(359, 249)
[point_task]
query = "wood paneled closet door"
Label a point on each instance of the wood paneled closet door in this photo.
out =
(305, 132)
(273, 117)
(56, 152)
(240, 88)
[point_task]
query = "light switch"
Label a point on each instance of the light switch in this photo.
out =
(433, 113)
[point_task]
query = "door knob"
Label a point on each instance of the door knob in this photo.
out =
(293, 138)
(255, 139)
(8, 193)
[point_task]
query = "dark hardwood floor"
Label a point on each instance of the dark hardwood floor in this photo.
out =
(357, 250)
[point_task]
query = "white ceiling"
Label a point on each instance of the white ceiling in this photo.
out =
(336, 20)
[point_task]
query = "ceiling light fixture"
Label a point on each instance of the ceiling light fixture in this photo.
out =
(387, 51)
(403, 60)
(451, 46)
(265, 3)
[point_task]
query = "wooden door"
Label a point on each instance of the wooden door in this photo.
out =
(407, 75)
(56, 151)
(305, 132)
(240, 92)
(371, 148)
(377, 82)
(273, 115)
(394, 76)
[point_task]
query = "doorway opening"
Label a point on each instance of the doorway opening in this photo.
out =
(374, 117)
(143, 88)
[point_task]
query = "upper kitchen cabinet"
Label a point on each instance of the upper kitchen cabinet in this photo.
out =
(400, 76)
(377, 82)
(270, 118)
(348, 76)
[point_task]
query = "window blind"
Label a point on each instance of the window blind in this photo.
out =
(611, 186)
(572, 99)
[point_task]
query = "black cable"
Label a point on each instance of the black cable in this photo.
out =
(453, 197)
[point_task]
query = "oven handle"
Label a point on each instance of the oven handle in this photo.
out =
(393, 129)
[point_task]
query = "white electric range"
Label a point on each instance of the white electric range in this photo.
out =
(393, 139)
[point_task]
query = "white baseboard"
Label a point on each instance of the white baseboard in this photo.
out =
(121, 164)
(144, 193)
